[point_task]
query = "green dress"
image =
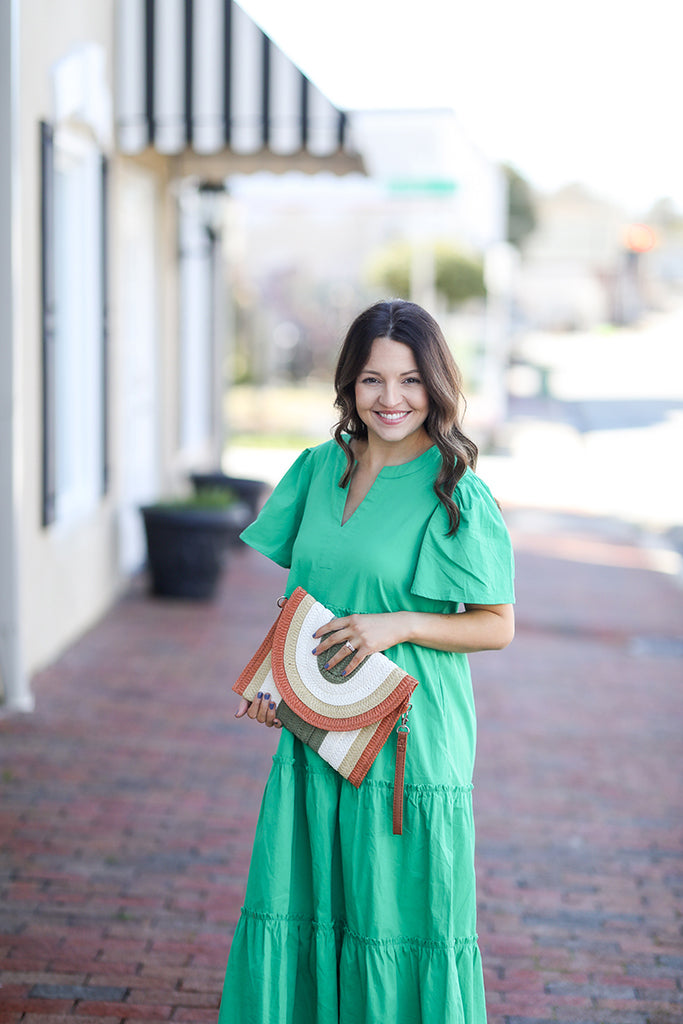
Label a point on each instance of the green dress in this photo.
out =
(343, 922)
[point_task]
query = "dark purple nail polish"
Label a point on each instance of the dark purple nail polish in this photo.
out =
(344, 672)
(314, 651)
(259, 695)
(272, 705)
(327, 665)
(266, 696)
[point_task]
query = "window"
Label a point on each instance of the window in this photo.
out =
(197, 326)
(74, 325)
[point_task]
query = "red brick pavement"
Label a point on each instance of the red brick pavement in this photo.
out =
(129, 799)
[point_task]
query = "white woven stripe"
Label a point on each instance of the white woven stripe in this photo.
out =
(362, 684)
(270, 687)
(336, 746)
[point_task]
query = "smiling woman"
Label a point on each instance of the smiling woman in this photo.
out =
(388, 527)
(399, 391)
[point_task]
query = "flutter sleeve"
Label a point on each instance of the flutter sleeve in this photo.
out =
(476, 566)
(274, 531)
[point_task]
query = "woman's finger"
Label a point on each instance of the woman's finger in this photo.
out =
(329, 641)
(255, 707)
(339, 635)
(330, 627)
(356, 660)
(338, 656)
(262, 709)
(342, 654)
(270, 713)
(262, 712)
(243, 708)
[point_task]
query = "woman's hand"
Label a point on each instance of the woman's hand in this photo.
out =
(261, 709)
(481, 627)
(367, 634)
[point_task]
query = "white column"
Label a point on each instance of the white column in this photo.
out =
(14, 688)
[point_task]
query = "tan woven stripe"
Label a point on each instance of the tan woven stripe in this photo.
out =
(289, 649)
(258, 682)
(300, 614)
(372, 748)
(357, 748)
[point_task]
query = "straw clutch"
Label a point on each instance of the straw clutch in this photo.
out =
(345, 719)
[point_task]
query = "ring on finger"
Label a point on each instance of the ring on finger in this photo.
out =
(350, 646)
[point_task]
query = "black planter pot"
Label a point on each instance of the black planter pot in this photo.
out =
(188, 548)
(249, 492)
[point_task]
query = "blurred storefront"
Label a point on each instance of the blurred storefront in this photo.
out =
(318, 250)
(120, 122)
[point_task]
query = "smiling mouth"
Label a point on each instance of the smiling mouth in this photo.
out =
(392, 417)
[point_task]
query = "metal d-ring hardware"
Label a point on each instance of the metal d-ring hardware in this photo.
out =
(403, 725)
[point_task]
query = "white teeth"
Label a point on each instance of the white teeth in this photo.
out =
(392, 415)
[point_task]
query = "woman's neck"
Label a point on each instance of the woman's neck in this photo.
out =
(375, 455)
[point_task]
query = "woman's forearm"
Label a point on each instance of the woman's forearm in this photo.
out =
(478, 628)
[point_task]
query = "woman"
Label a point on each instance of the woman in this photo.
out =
(388, 526)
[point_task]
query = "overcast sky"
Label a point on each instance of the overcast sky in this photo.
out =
(582, 91)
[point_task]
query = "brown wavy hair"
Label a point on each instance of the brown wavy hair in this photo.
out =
(410, 324)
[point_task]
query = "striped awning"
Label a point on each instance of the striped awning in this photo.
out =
(198, 78)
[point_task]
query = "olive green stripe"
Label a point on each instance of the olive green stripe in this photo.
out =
(308, 734)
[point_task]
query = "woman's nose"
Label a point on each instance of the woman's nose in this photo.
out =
(391, 394)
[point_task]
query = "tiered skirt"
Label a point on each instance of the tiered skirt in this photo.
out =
(345, 923)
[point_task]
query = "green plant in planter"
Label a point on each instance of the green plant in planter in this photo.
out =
(210, 497)
(248, 491)
(188, 540)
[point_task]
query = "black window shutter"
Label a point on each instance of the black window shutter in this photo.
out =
(47, 261)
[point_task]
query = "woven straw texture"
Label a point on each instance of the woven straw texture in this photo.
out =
(346, 723)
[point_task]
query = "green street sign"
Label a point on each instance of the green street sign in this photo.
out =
(422, 186)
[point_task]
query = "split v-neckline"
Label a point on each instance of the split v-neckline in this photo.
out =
(390, 472)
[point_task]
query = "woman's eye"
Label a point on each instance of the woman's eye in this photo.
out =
(376, 380)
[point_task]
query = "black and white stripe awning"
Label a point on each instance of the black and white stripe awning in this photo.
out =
(200, 77)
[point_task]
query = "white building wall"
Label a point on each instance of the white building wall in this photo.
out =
(68, 571)
(72, 569)
(13, 681)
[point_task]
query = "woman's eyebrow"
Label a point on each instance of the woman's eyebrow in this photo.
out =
(404, 373)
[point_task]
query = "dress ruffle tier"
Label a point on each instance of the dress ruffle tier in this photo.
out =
(345, 923)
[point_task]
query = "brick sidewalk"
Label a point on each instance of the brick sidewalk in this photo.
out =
(129, 799)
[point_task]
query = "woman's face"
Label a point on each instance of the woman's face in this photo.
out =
(391, 399)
